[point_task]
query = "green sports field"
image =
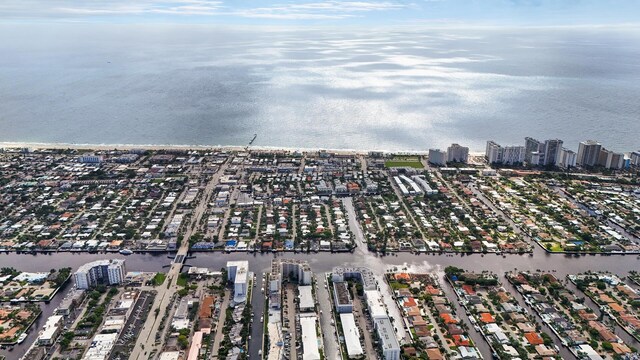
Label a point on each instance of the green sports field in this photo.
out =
(413, 162)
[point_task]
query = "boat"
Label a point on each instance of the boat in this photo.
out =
(126, 252)
(22, 337)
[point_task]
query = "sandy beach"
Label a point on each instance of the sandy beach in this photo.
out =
(106, 147)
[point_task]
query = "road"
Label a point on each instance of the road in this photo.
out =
(257, 307)
(328, 330)
(146, 339)
(354, 226)
(289, 312)
(219, 328)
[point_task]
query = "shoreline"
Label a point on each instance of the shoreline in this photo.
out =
(104, 147)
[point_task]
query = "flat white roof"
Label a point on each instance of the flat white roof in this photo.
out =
(351, 335)
(88, 266)
(100, 346)
(50, 327)
(306, 297)
(170, 355)
(241, 271)
(309, 338)
(375, 304)
(589, 352)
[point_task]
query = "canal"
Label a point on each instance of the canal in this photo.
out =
(320, 263)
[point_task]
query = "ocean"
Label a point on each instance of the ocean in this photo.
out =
(402, 88)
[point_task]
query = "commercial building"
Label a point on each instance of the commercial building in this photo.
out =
(309, 337)
(196, 344)
(616, 161)
(362, 274)
(70, 302)
(375, 305)
(170, 355)
(493, 152)
(552, 149)
(238, 273)
(512, 155)
(295, 270)
(114, 322)
(610, 160)
(90, 159)
(538, 153)
(422, 182)
(385, 331)
(437, 157)
(101, 346)
(51, 330)
(531, 146)
(457, 153)
(635, 158)
(568, 158)
(351, 336)
(387, 337)
(180, 318)
(107, 272)
(588, 153)
(342, 297)
(536, 158)
(306, 298)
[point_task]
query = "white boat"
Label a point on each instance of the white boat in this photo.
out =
(126, 252)
(22, 337)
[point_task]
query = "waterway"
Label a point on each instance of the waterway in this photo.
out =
(323, 262)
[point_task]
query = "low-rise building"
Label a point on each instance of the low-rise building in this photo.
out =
(351, 336)
(342, 297)
(306, 298)
(310, 349)
(69, 303)
(387, 337)
(51, 330)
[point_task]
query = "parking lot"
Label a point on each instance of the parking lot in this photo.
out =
(129, 334)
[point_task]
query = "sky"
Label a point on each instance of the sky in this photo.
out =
(328, 12)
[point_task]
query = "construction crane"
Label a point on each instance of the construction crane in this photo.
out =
(251, 142)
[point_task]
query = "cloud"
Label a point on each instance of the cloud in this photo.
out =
(319, 10)
(433, 13)
(74, 9)
(176, 7)
(330, 9)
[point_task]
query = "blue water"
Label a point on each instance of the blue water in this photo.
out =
(395, 89)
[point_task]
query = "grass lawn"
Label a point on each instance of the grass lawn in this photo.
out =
(556, 247)
(159, 278)
(182, 280)
(397, 285)
(413, 162)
